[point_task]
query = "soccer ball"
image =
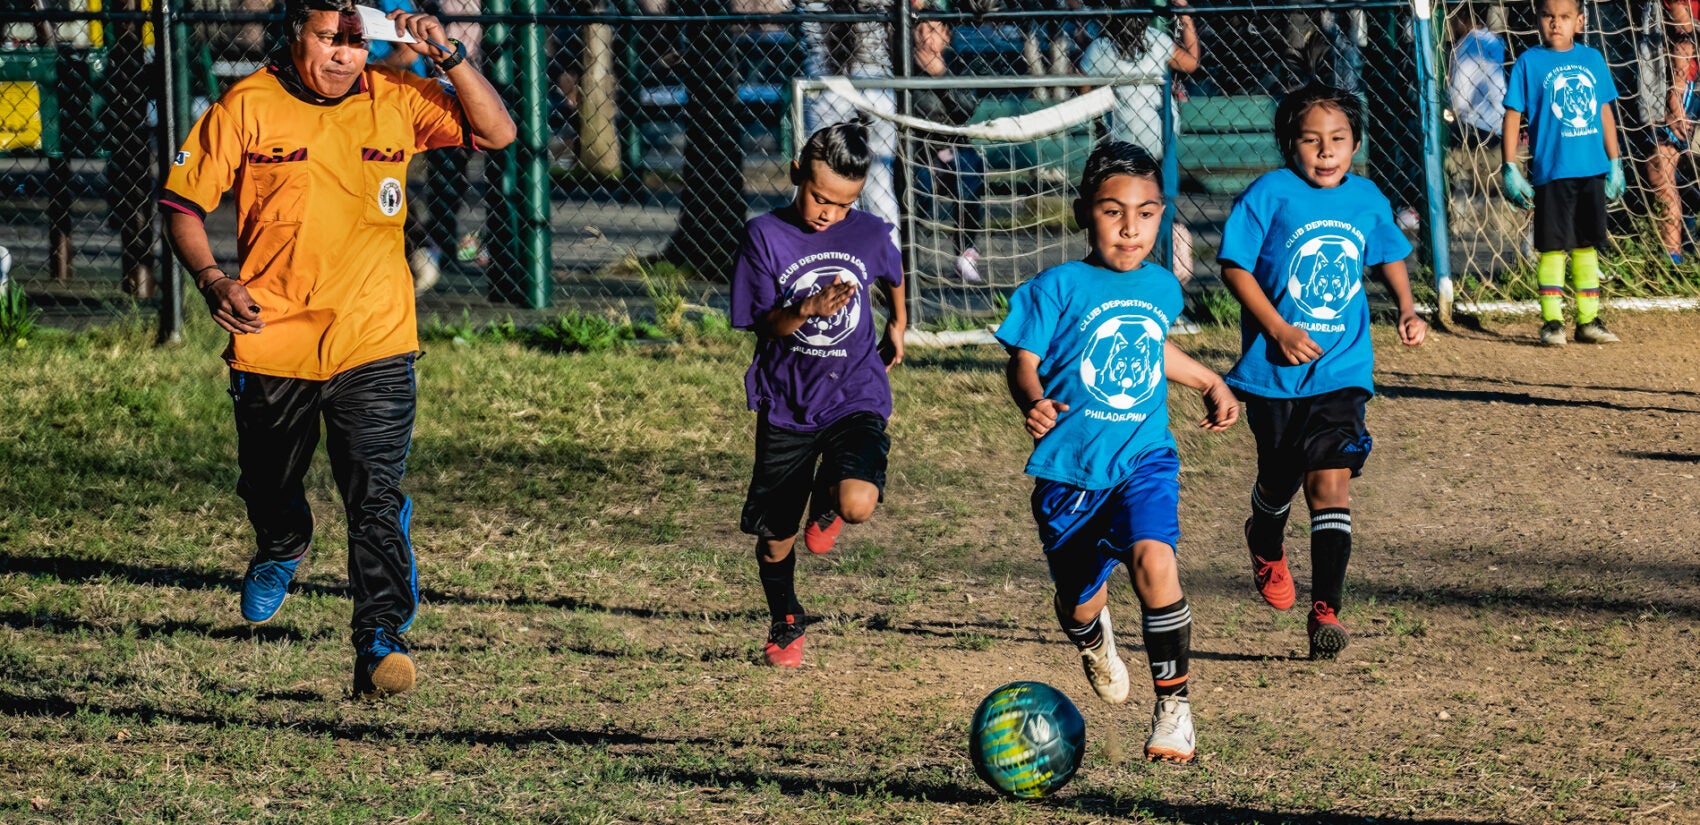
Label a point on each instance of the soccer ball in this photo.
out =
(1026, 739)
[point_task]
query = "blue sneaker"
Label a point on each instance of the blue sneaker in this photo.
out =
(265, 587)
(382, 666)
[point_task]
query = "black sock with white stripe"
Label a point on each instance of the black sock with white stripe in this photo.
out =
(1268, 525)
(1330, 550)
(1168, 644)
(1083, 636)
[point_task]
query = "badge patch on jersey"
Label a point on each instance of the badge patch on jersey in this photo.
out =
(1122, 364)
(1325, 275)
(827, 331)
(389, 196)
(180, 159)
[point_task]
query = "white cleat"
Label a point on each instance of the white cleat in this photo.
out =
(968, 266)
(1171, 731)
(1104, 669)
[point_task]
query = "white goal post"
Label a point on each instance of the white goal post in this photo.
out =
(981, 205)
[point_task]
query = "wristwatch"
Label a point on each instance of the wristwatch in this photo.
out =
(452, 60)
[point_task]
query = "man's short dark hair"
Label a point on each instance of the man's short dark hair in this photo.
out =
(843, 147)
(1116, 157)
(1293, 109)
(296, 12)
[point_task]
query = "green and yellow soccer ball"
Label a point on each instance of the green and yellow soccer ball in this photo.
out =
(1026, 739)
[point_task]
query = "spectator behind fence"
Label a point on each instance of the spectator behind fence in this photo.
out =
(1132, 48)
(951, 170)
(1671, 167)
(1476, 96)
(320, 314)
(858, 50)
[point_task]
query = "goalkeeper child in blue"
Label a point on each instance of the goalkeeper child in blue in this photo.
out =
(1295, 249)
(1089, 364)
(1565, 90)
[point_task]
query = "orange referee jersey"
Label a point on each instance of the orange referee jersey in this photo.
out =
(321, 193)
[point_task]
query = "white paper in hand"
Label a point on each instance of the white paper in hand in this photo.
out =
(379, 27)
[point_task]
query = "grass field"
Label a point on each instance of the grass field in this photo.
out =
(1525, 599)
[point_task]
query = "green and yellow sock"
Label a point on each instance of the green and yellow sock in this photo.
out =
(1551, 278)
(1585, 270)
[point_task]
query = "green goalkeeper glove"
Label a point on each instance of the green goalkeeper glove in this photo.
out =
(1517, 188)
(1614, 181)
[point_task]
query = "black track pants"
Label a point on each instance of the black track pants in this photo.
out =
(368, 424)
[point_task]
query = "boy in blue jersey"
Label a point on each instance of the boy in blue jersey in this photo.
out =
(1566, 90)
(1089, 355)
(1294, 252)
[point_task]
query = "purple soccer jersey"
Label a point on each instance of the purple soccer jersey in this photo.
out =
(829, 367)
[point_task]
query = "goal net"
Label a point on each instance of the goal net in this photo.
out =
(981, 193)
(1651, 55)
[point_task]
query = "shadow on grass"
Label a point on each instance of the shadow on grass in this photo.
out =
(635, 767)
(73, 571)
(148, 630)
(1680, 458)
(1002, 632)
(1543, 384)
(1533, 598)
(1523, 399)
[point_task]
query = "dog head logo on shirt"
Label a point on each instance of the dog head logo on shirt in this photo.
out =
(1123, 362)
(1573, 100)
(826, 332)
(1325, 275)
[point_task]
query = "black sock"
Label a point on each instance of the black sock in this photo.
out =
(1330, 550)
(779, 584)
(1268, 526)
(1083, 636)
(1168, 644)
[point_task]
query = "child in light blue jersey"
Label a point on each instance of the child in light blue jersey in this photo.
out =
(1089, 362)
(1565, 90)
(1294, 252)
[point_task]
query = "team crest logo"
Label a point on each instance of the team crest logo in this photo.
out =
(826, 332)
(1573, 100)
(1325, 275)
(389, 196)
(1123, 362)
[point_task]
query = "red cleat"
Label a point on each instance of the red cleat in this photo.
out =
(822, 532)
(1273, 579)
(784, 646)
(1327, 636)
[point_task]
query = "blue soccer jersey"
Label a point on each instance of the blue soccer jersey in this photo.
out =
(1560, 94)
(1308, 248)
(1099, 335)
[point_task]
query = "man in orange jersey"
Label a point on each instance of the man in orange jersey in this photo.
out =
(320, 307)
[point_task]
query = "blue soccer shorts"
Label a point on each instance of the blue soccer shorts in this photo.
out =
(1086, 533)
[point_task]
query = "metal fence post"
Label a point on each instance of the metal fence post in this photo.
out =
(1434, 158)
(534, 235)
(1171, 172)
(171, 105)
(500, 167)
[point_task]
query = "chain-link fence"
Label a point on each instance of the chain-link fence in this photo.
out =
(649, 130)
(1649, 46)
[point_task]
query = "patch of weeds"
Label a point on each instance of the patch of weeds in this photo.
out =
(664, 282)
(1400, 623)
(973, 641)
(581, 332)
(1215, 306)
(17, 317)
